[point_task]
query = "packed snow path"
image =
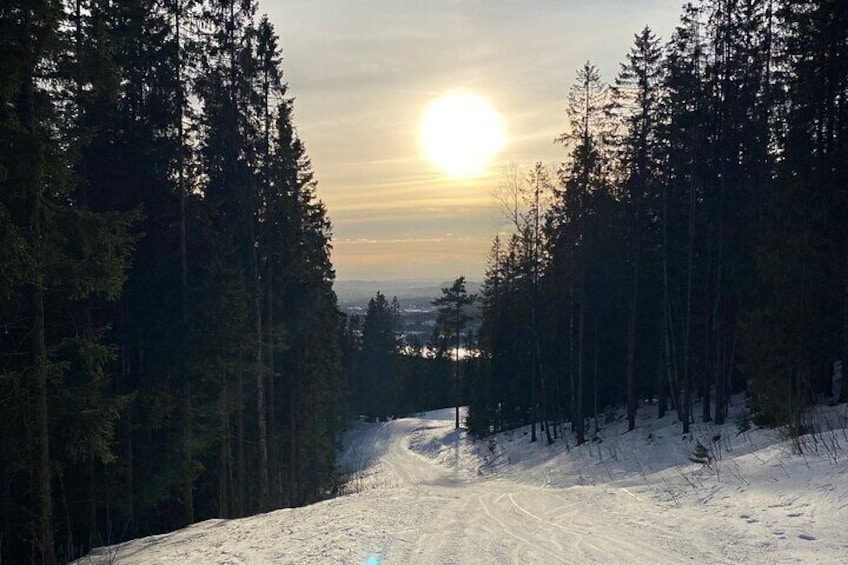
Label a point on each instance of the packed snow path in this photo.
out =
(454, 516)
(427, 494)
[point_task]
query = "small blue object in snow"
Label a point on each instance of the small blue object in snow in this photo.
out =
(373, 561)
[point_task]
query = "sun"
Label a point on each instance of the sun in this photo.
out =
(460, 132)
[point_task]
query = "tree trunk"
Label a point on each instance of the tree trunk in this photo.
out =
(293, 475)
(6, 502)
(261, 400)
(125, 385)
(225, 455)
(261, 419)
(537, 358)
(723, 400)
(581, 333)
(274, 448)
(92, 502)
(39, 360)
(631, 341)
(718, 353)
(188, 455)
(685, 411)
(231, 467)
(241, 505)
(595, 376)
(662, 391)
(223, 486)
(533, 415)
(38, 347)
(672, 368)
(572, 383)
(666, 380)
(456, 366)
(843, 394)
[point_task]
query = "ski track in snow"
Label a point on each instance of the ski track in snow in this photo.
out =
(430, 495)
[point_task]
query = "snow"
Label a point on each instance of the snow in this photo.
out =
(422, 492)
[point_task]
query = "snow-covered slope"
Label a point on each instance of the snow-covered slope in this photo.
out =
(421, 492)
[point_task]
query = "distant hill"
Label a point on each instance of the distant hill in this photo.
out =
(358, 292)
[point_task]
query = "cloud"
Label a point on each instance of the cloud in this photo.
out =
(415, 257)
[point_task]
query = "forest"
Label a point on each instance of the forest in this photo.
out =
(171, 348)
(692, 244)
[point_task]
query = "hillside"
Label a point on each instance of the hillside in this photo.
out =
(420, 492)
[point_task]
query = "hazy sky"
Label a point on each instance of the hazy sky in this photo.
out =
(363, 71)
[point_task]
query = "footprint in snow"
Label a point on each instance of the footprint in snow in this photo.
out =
(748, 518)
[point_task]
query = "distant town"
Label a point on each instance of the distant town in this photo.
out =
(418, 315)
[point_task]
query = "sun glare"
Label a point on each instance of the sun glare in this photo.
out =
(460, 132)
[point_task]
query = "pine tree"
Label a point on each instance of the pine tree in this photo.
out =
(685, 142)
(230, 290)
(496, 339)
(380, 343)
(77, 249)
(584, 186)
(450, 323)
(522, 199)
(636, 98)
(800, 320)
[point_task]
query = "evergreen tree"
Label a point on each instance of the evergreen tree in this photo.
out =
(380, 343)
(73, 257)
(685, 141)
(578, 210)
(450, 323)
(798, 327)
(637, 97)
(229, 297)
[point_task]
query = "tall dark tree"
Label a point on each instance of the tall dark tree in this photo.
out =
(450, 323)
(685, 142)
(380, 344)
(797, 329)
(73, 256)
(584, 186)
(636, 98)
(523, 199)
(637, 94)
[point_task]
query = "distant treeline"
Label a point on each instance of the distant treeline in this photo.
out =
(693, 243)
(170, 346)
(389, 376)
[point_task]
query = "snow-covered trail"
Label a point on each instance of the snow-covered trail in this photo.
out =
(427, 494)
(477, 520)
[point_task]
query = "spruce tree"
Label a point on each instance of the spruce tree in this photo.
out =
(584, 186)
(637, 98)
(380, 344)
(684, 135)
(451, 322)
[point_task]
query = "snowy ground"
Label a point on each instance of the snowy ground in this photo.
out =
(420, 492)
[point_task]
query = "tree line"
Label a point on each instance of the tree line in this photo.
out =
(391, 374)
(693, 243)
(170, 347)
